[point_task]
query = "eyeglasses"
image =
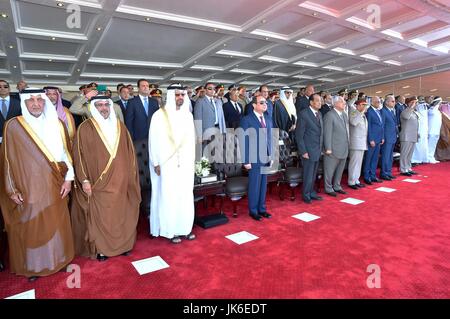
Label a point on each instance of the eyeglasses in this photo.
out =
(180, 94)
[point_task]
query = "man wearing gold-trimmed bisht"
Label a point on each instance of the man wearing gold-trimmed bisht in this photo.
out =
(37, 173)
(105, 207)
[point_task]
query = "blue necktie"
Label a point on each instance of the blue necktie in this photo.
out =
(379, 116)
(146, 105)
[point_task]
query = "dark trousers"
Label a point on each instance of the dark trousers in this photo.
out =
(387, 158)
(309, 177)
(257, 188)
(371, 162)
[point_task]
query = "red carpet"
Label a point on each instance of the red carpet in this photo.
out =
(406, 233)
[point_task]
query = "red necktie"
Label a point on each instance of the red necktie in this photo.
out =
(262, 122)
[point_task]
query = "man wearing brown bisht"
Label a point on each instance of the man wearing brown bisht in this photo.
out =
(105, 208)
(36, 171)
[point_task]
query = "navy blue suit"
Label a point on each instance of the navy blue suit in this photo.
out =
(13, 111)
(390, 138)
(232, 116)
(123, 107)
(398, 110)
(136, 120)
(375, 133)
(249, 109)
(257, 178)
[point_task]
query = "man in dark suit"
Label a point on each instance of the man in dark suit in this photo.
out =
(327, 106)
(309, 137)
(389, 118)
(258, 132)
(264, 92)
(9, 108)
(138, 116)
(399, 107)
(124, 97)
(232, 110)
(375, 138)
(302, 102)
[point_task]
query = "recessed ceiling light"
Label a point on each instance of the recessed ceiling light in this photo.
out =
(224, 44)
(310, 32)
(86, 52)
(433, 90)
(4, 15)
(11, 47)
(15, 66)
(78, 70)
(53, 38)
(99, 28)
(267, 39)
(60, 4)
(263, 21)
(378, 92)
(50, 60)
(406, 87)
(315, 14)
(215, 29)
(147, 19)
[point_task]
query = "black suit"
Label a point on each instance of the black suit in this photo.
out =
(309, 137)
(301, 103)
(325, 109)
(122, 106)
(138, 124)
(13, 111)
(232, 116)
(78, 119)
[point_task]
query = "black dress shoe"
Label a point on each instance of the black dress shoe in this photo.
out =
(101, 257)
(413, 173)
(361, 185)
(353, 186)
(406, 174)
(386, 178)
(265, 215)
(392, 177)
(367, 182)
(377, 180)
(256, 217)
(316, 198)
(127, 253)
(333, 194)
(341, 192)
(33, 278)
(307, 200)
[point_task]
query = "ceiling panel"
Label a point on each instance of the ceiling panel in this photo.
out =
(47, 66)
(153, 42)
(37, 46)
(235, 12)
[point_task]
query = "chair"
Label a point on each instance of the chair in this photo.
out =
(292, 174)
(236, 184)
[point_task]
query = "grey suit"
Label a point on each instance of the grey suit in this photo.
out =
(409, 136)
(205, 112)
(309, 138)
(358, 145)
(336, 139)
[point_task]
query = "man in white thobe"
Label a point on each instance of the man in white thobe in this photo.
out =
(434, 128)
(172, 167)
(420, 154)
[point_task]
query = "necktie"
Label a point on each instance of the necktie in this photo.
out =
(344, 119)
(215, 111)
(4, 110)
(317, 117)
(379, 115)
(125, 103)
(236, 106)
(262, 122)
(146, 105)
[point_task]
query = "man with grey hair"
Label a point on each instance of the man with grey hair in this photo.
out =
(390, 137)
(336, 144)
